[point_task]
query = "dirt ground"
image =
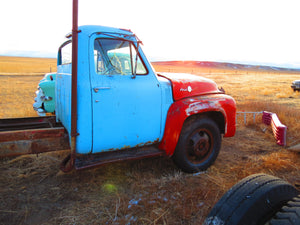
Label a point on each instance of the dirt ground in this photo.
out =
(150, 191)
(154, 191)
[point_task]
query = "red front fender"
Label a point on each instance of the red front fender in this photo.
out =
(179, 111)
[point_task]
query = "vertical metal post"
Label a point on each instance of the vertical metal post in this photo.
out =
(74, 82)
(68, 163)
(74, 69)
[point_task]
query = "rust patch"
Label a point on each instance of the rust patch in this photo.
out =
(148, 143)
(13, 143)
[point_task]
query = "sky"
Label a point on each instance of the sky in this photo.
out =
(261, 32)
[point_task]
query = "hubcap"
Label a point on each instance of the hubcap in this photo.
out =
(200, 145)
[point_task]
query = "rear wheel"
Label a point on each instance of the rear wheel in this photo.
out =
(198, 145)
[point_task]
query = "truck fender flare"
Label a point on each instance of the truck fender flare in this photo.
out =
(181, 110)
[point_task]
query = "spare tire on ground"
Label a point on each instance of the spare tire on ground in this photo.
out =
(288, 214)
(252, 201)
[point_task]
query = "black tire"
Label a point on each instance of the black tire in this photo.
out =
(198, 145)
(252, 201)
(289, 214)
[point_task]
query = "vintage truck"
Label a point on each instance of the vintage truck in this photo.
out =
(44, 102)
(122, 109)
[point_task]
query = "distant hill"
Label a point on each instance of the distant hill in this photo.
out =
(222, 66)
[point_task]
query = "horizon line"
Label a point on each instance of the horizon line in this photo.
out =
(51, 55)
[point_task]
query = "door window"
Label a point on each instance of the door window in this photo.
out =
(117, 57)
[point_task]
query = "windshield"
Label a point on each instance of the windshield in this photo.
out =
(117, 57)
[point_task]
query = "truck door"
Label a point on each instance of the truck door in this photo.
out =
(126, 97)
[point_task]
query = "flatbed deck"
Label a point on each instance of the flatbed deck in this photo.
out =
(33, 135)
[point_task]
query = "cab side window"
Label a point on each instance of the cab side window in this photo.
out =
(65, 53)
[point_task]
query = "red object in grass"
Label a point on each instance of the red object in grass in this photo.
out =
(279, 130)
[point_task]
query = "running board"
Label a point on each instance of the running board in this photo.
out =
(99, 159)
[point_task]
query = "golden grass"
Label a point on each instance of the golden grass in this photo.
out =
(17, 95)
(150, 191)
(279, 161)
(19, 78)
(24, 65)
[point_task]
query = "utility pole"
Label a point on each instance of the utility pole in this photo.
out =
(74, 134)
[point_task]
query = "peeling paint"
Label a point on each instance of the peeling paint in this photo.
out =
(180, 110)
(200, 106)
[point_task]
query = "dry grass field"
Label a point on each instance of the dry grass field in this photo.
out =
(150, 191)
(26, 66)
(19, 77)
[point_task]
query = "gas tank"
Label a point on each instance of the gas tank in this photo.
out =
(188, 85)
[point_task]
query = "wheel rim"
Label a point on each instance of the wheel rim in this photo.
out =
(199, 146)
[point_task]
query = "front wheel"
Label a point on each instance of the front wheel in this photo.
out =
(198, 145)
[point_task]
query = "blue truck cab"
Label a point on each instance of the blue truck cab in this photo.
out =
(123, 104)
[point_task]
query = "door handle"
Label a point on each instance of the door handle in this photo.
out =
(96, 89)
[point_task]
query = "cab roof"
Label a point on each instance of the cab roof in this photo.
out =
(91, 29)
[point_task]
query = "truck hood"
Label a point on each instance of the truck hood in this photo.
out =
(187, 85)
